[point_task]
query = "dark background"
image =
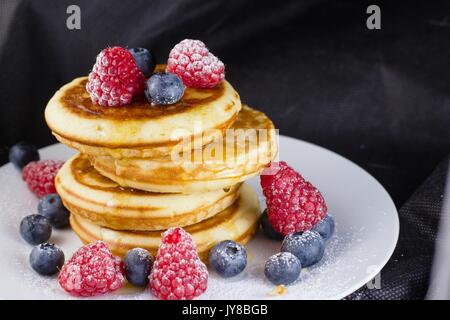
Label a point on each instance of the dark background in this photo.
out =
(380, 98)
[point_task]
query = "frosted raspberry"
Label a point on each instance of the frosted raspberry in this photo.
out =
(293, 203)
(178, 273)
(115, 78)
(195, 65)
(40, 176)
(92, 270)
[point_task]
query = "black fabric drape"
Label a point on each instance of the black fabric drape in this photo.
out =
(380, 98)
(407, 274)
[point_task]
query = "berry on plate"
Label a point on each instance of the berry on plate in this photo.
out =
(91, 271)
(195, 65)
(178, 273)
(145, 60)
(115, 78)
(282, 268)
(293, 203)
(51, 206)
(40, 176)
(228, 258)
(325, 227)
(23, 153)
(268, 229)
(308, 247)
(35, 229)
(46, 259)
(138, 263)
(164, 88)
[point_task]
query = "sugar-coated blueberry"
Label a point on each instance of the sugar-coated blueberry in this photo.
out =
(53, 209)
(308, 247)
(145, 60)
(228, 258)
(46, 259)
(282, 268)
(164, 88)
(268, 229)
(138, 264)
(35, 229)
(325, 227)
(23, 153)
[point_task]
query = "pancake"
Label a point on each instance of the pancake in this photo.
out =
(139, 129)
(238, 222)
(88, 194)
(253, 146)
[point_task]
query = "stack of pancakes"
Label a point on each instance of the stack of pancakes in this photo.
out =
(143, 169)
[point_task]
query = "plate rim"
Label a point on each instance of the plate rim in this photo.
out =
(374, 271)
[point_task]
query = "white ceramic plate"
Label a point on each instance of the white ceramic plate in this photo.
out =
(367, 229)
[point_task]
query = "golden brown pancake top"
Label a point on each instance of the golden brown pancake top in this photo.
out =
(77, 100)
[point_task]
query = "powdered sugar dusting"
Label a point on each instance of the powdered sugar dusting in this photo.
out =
(195, 65)
(142, 254)
(281, 258)
(308, 235)
(293, 203)
(352, 256)
(178, 272)
(91, 271)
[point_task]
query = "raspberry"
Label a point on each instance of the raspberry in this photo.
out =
(115, 78)
(294, 204)
(178, 273)
(92, 270)
(40, 176)
(195, 65)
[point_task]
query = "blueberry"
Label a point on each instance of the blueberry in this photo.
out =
(52, 208)
(138, 263)
(269, 231)
(35, 229)
(325, 227)
(144, 60)
(228, 258)
(46, 259)
(23, 153)
(308, 247)
(164, 88)
(282, 268)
